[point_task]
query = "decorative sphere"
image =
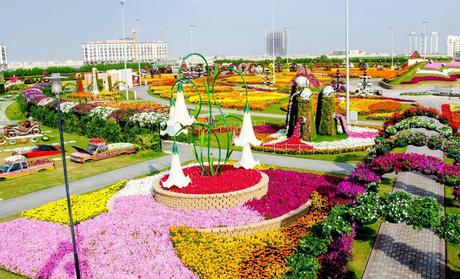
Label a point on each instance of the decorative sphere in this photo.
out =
(302, 81)
(328, 90)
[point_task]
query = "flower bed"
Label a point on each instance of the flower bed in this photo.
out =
(231, 179)
(281, 199)
(419, 122)
(415, 111)
(84, 207)
(417, 79)
(135, 233)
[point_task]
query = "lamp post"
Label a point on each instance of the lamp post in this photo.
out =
(56, 88)
(191, 26)
(392, 29)
(122, 2)
(347, 50)
(273, 46)
(137, 50)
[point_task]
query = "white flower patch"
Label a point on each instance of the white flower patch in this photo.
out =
(279, 136)
(67, 106)
(146, 119)
(342, 144)
(103, 112)
(358, 129)
(119, 146)
(45, 102)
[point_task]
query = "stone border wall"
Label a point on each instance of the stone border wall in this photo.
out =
(262, 226)
(210, 201)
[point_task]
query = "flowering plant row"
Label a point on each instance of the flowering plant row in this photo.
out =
(84, 206)
(415, 111)
(419, 122)
(404, 138)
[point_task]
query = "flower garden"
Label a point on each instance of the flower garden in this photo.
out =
(219, 218)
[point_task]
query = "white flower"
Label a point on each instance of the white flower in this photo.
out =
(119, 146)
(247, 135)
(339, 144)
(45, 102)
(103, 112)
(66, 107)
(176, 174)
(178, 114)
(146, 119)
(247, 160)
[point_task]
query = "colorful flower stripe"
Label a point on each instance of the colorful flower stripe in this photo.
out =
(416, 80)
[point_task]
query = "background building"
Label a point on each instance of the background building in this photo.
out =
(113, 51)
(280, 43)
(412, 42)
(453, 46)
(3, 57)
(434, 43)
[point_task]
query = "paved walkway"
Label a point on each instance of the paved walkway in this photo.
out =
(402, 252)
(16, 205)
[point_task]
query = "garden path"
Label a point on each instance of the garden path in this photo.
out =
(400, 251)
(16, 205)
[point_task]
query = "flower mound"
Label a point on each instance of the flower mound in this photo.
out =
(288, 190)
(231, 179)
(130, 241)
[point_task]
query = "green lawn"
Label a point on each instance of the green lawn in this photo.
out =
(276, 108)
(347, 157)
(13, 112)
(37, 181)
(452, 250)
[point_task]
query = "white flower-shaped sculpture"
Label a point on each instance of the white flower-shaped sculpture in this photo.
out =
(245, 140)
(176, 174)
(172, 127)
(178, 115)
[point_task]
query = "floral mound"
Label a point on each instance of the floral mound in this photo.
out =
(288, 190)
(130, 241)
(231, 179)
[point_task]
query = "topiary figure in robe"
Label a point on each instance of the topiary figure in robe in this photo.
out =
(325, 112)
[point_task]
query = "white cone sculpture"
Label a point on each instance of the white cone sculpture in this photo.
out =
(172, 127)
(245, 140)
(176, 174)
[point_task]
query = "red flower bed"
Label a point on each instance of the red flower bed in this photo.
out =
(288, 190)
(452, 116)
(231, 179)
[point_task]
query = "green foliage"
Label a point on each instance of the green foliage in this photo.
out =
(424, 213)
(449, 228)
(325, 116)
(395, 206)
(366, 209)
(313, 245)
(96, 127)
(302, 267)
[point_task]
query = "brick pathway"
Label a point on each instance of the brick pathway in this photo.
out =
(401, 252)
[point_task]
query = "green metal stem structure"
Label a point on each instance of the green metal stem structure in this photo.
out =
(208, 168)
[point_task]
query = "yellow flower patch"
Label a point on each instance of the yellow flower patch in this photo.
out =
(214, 256)
(84, 206)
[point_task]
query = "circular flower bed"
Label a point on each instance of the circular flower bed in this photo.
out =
(231, 179)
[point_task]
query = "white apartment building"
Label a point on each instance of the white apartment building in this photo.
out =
(453, 46)
(3, 57)
(114, 51)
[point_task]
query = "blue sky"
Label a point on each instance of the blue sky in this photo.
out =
(54, 29)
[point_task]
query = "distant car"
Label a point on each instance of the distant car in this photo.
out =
(40, 151)
(18, 165)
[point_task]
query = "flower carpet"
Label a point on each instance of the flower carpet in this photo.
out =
(122, 231)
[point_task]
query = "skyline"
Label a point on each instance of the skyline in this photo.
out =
(228, 30)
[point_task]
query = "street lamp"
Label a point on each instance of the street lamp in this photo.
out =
(392, 29)
(122, 2)
(137, 51)
(191, 26)
(347, 47)
(273, 46)
(56, 88)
